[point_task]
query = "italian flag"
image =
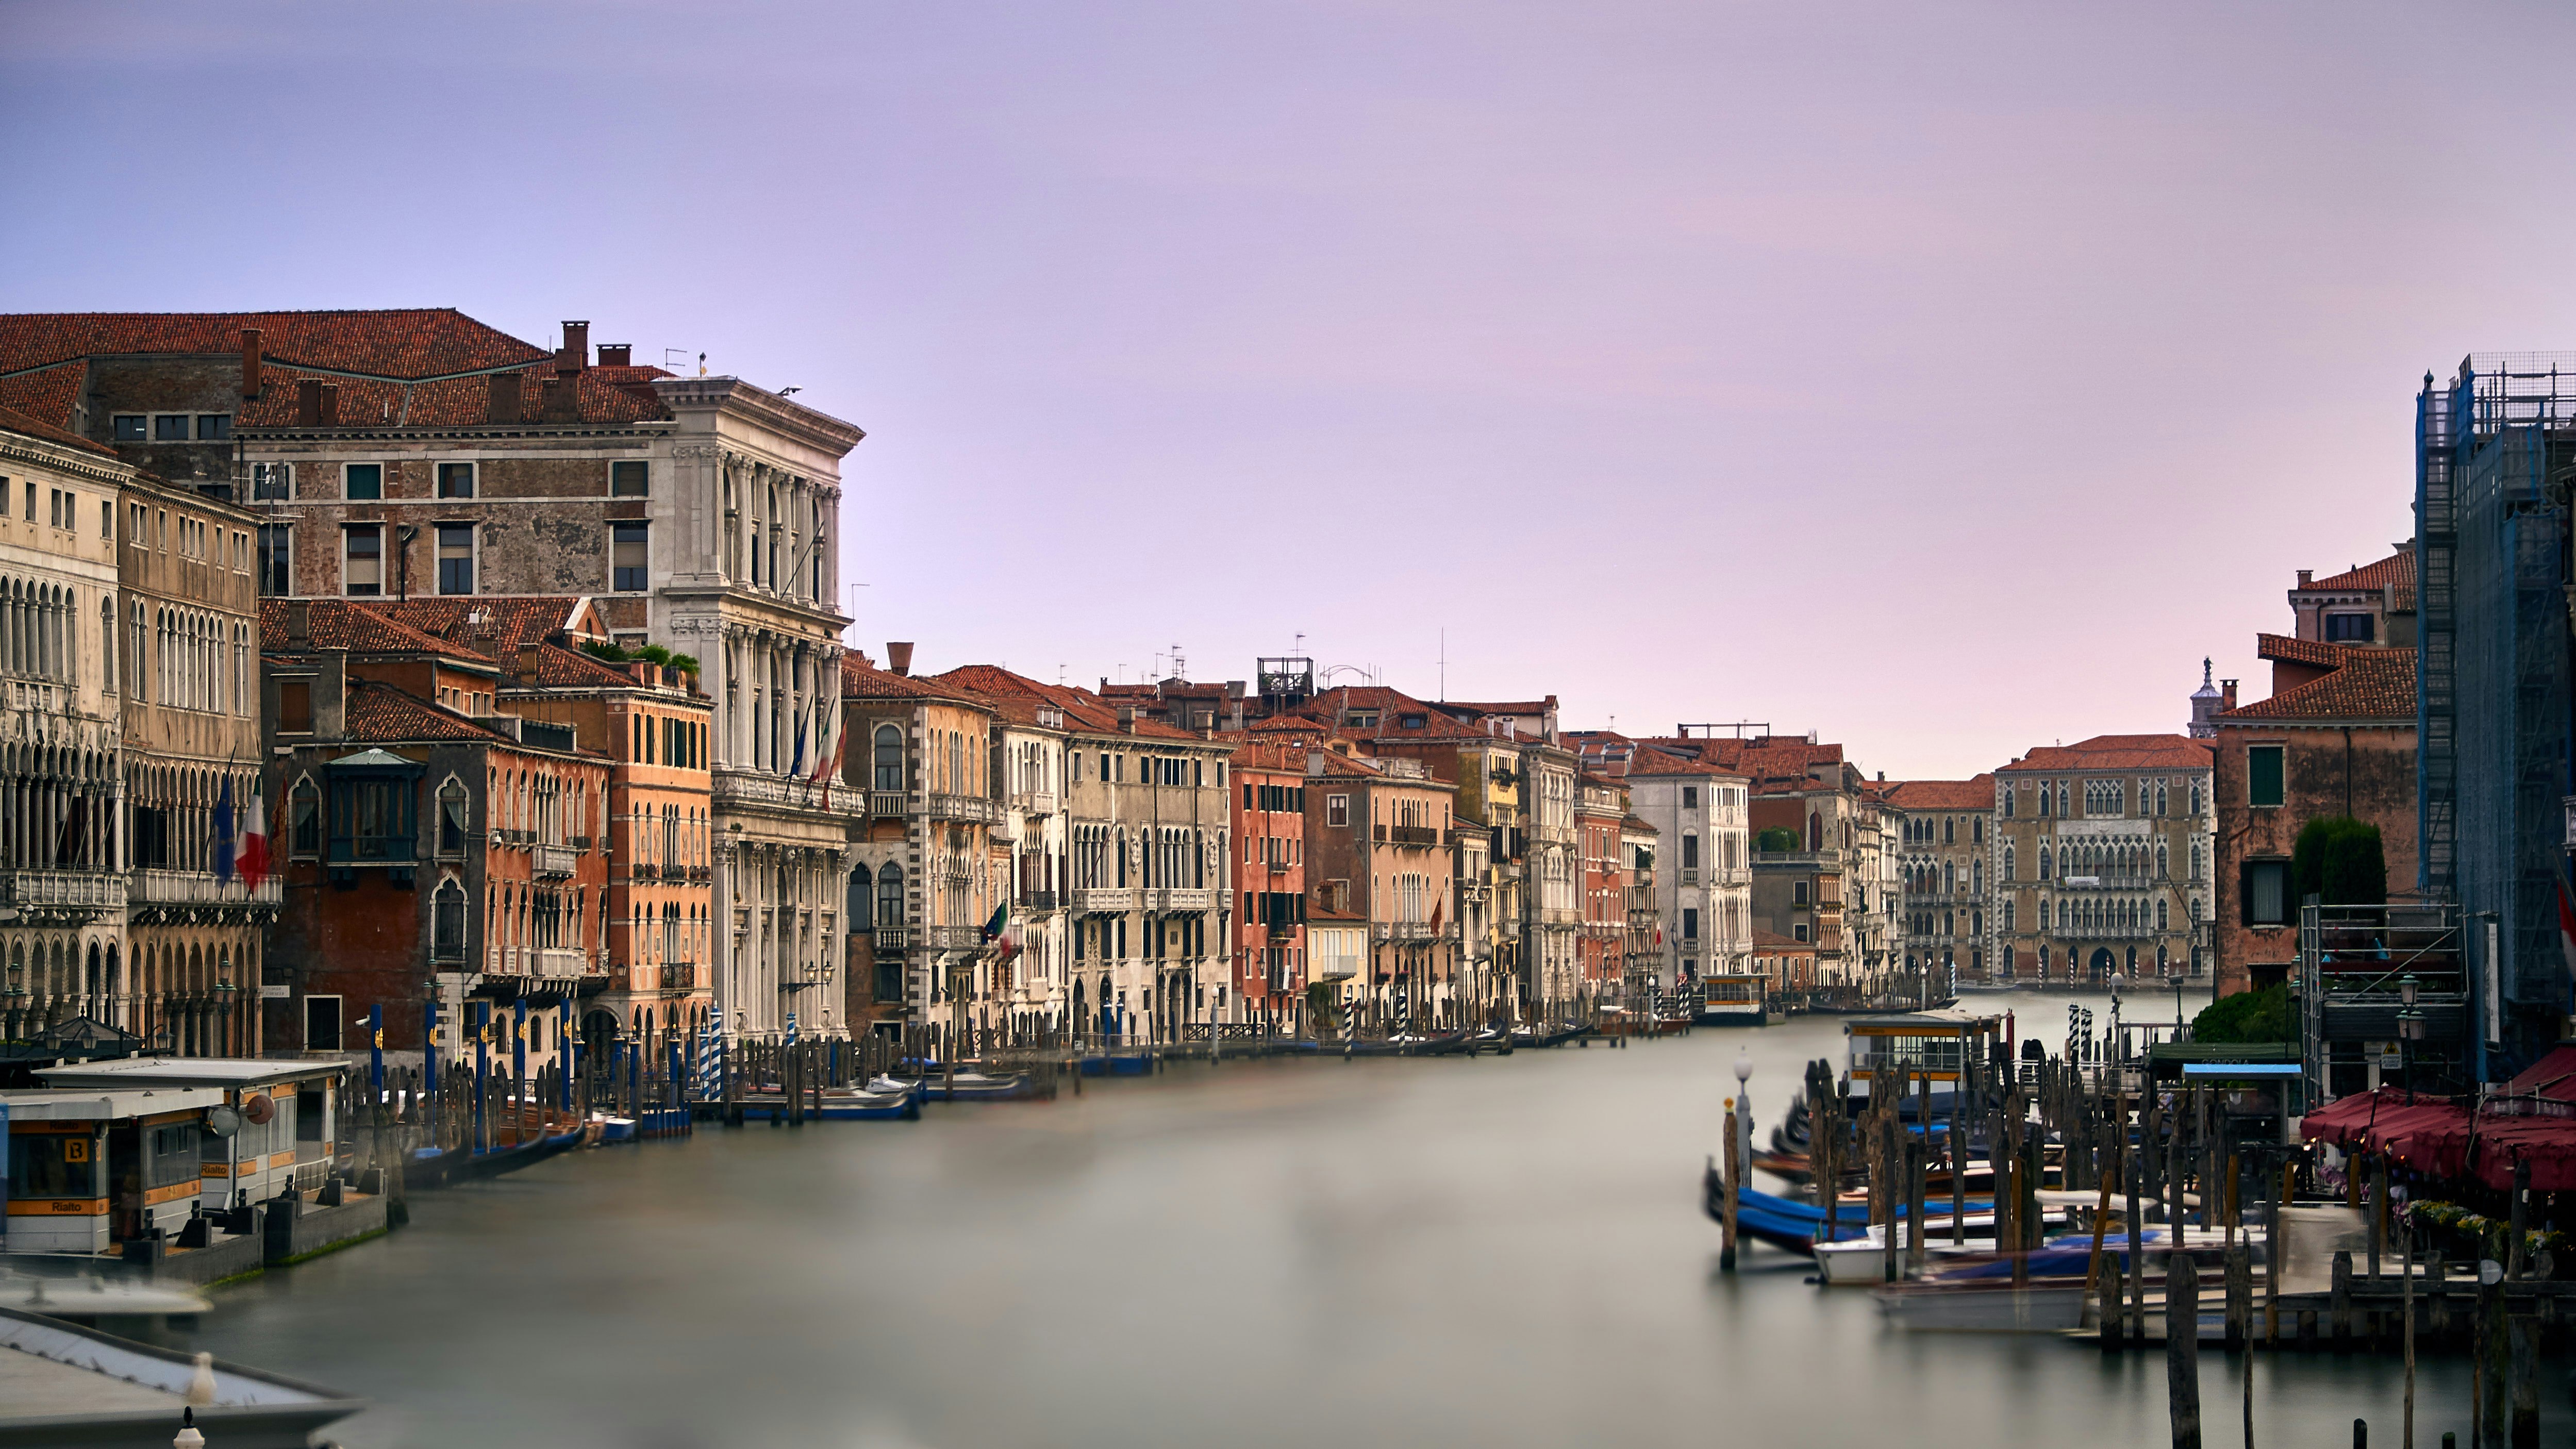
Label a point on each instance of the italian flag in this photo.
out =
(250, 847)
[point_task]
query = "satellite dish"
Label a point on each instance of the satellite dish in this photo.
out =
(259, 1108)
(223, 1121)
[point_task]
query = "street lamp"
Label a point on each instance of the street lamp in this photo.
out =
(2410, 1030)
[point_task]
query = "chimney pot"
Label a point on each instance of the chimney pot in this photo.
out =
(308, 402)
(503, 405)
(2227, 694)
(251, 355)
(2307, 577)
(899, 659)
(617, 354)
(576, 347)
(299, 621)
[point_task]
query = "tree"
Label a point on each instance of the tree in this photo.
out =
(2248, 1016)
(1776, 838)
(2338, 860)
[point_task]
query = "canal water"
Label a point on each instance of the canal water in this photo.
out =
(1504, 1251)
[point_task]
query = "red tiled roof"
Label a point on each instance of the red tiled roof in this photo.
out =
(2116, 752)
(413, 343)
(2395, 571)
(1642, 827)
(1270, 755)
(14, 421)
(1976, 794)
(2369, 684)
(2289, 650)
(1288, 724)
(511, 619)
(347, 624)
(1082, 709)
(561, 668)
(1766, 941)
(378, 713)
(47, 395)
(1651, 761)
(866, 681)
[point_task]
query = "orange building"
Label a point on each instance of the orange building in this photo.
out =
(1270, 883)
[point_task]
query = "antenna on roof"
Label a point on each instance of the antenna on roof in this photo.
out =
(1444, 662)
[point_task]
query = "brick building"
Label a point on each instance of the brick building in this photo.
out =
(2336, 737)
(1269, 945)
(1941, 829)
(427, 853)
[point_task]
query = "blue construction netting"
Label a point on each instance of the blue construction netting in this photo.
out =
(2506, 610)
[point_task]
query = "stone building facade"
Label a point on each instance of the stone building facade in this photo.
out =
(1940, 854)
(191, 720)
(64, 950)
(1378, 844)
(2101, 860)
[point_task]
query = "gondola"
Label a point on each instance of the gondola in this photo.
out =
(963, 1087)
(840, 1104)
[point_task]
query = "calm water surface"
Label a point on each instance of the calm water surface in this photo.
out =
(1506, 1251)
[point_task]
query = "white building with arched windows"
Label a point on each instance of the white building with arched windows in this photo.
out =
(2100, 860)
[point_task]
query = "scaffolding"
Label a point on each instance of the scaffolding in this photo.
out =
(2494, 451)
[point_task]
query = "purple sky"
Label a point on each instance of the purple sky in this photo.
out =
(1948, 379)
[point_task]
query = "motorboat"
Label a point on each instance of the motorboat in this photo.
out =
(961, 1087)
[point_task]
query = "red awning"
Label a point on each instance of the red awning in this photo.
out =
(2547, 1143)
(2426, 1133)
(2553, 1076)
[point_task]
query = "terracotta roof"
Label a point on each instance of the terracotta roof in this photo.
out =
(1337, 763)
(2369, 684)
(1288, 724)
(348, 624)
(1270, 755)
(1766, 941)
(2396, 571)
(1650, 761)
(561, 668)
(1976, 794)
(1509, 706)
(1317, 911)
(866, 681)
(2115, 752)
(511, 619)
(381, 714)
(2288, 650)
(1083, 710)
(1642, 827)
(414, 343)
(14, 421)
(48, 394)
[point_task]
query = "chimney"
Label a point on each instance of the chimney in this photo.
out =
(1127, 718)
(329, 401)
(617, 354)
(504, 403)
(563, 399)
(2227, 694)
(899, 659)
(299, 622)
(527, 661)
(250, 362)
(2307, 577)
(575, 353)
(308, 402)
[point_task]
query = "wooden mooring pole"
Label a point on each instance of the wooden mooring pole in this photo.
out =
(2182, 1348)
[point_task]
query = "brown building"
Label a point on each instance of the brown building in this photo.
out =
(2102, 860)
(427, 854)
(1940, 844)
(1269, 946)
(2336, 738)
(1378, 844)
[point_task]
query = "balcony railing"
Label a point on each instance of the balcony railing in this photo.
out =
(1104, 899)
(1418, 837)
(198, 888)
(2105, 881)
(892, 939)
(952, 938)
(1690, 875)
(1559, 916)
(1034, 802)
(556, 861)
(778, 792)
(1818, 858)
(974, 809)
(66, 890)
(1037, 902)
(1414, 932)
(888, 804)
(1179, 898)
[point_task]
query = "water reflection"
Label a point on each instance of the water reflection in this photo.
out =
(1506, 1251)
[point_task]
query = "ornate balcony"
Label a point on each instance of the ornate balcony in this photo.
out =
(1038, 903)
(555, 861)
(1034, 802)
(952, 938)
(1815, 859)
(1104, 900)
(1413, 932)
(199, 888)
(888, 805)
(892, 940)
(556, 961)
(973, 809)
(65, 893)
(753, 789)
(1179, 899)
(1415, 837)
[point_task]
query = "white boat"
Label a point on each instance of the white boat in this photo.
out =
(97, 1298)
(1862, 1262)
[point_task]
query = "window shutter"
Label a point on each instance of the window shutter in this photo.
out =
(2245, 892)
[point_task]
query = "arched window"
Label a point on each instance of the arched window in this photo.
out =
(2043, 863)
(451, 818)
(889, 750)
(856, 901)
(447, 922)
(2008, 860)
(2164, 915)
(1815, 831)
(1122, 859)
(304, 818)
(890, 895)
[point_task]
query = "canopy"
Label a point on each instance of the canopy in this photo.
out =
(2437, 1136)
(2553, 1076)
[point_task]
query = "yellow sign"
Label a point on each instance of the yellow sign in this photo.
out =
(76, 1150)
